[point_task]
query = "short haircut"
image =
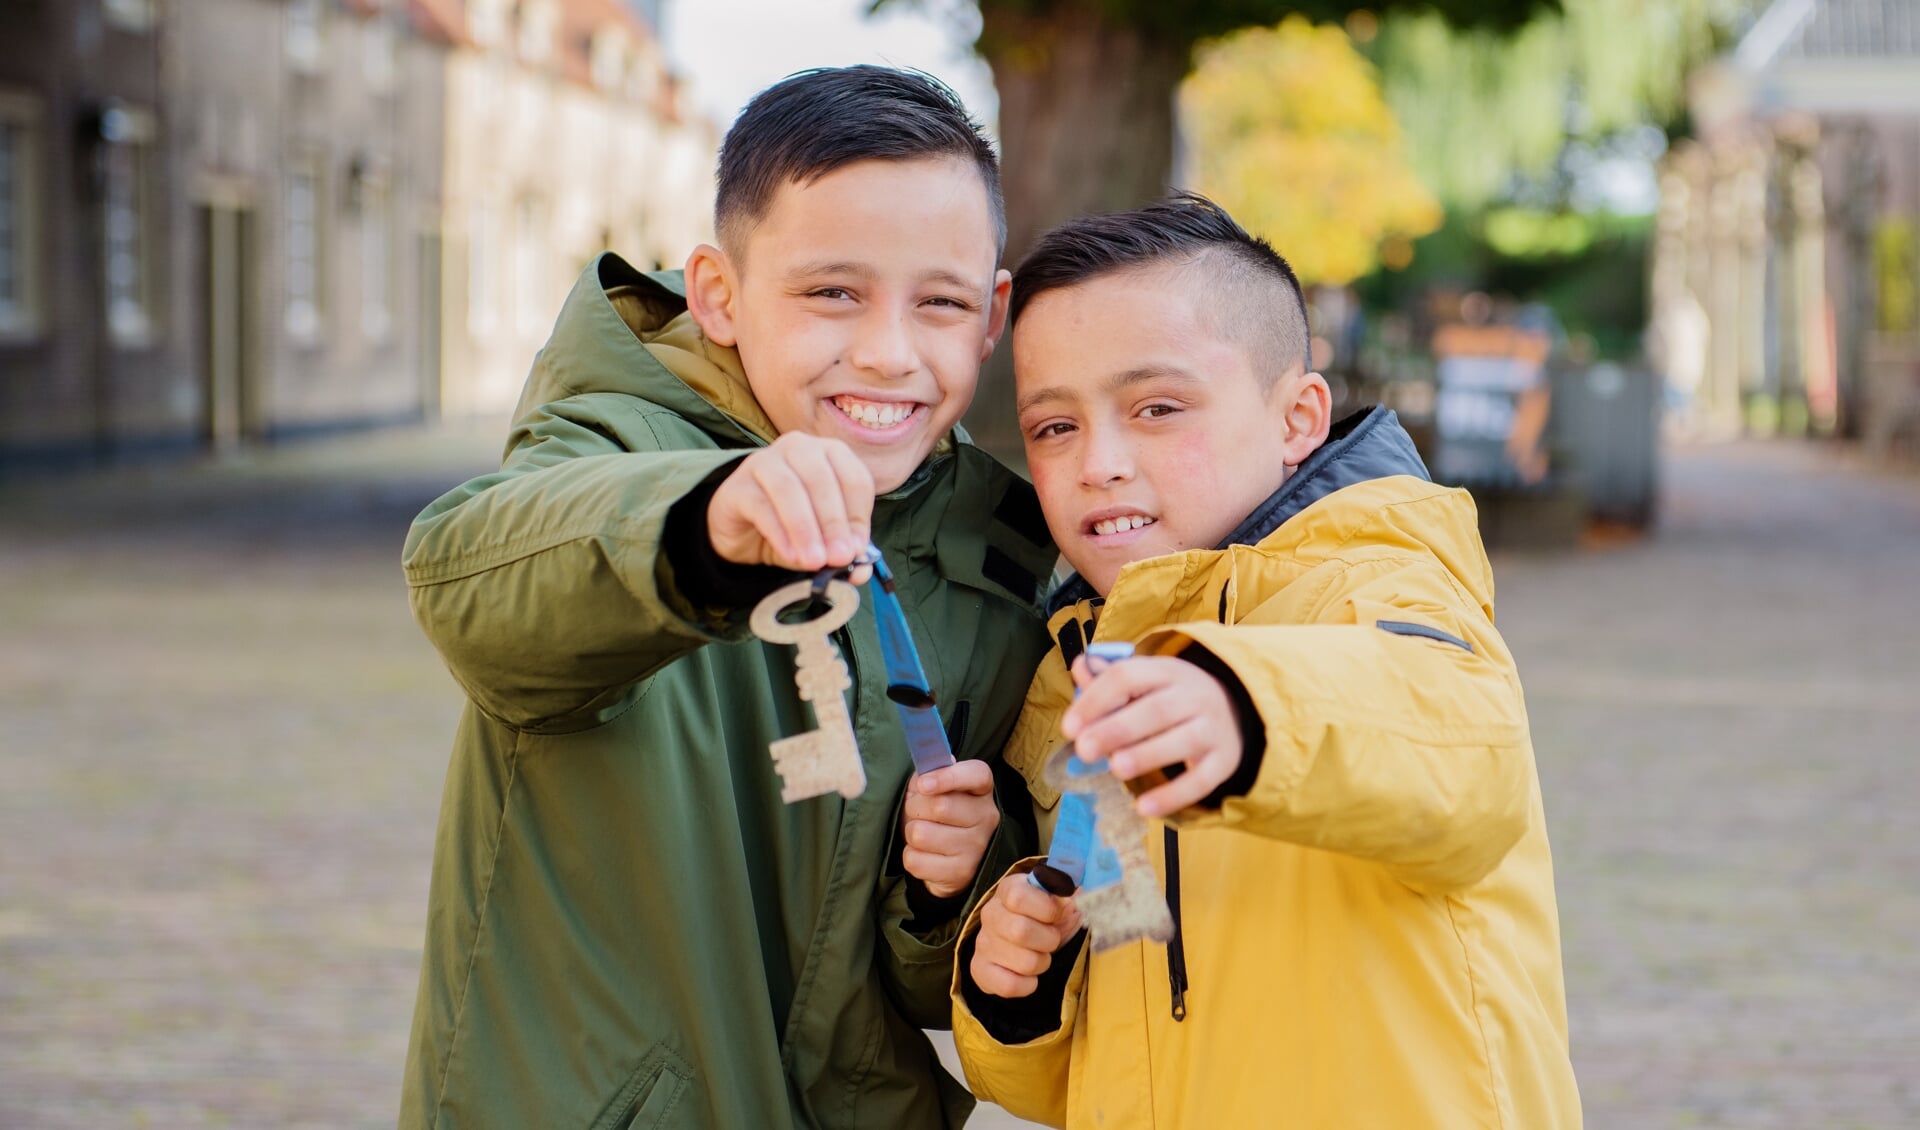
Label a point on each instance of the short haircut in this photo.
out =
(1257, 297)
(809, 124)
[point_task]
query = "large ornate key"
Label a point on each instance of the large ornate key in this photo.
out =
(825, 759)
(1100, 844)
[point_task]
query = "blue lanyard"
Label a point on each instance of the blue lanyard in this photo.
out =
(1078, 853)
(906, 680)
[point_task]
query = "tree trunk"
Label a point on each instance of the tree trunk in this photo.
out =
(1086, 125)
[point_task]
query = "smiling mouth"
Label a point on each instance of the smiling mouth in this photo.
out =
(877, 415)
(1109, 526)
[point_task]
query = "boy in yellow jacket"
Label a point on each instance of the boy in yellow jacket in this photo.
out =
(1353, 842)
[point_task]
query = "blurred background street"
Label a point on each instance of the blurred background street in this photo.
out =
(225, 741)
(1644, 275)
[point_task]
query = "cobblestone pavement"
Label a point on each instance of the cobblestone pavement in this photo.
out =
(222, 742)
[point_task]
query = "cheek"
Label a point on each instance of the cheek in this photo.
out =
(1188, 462)
(1053, 482)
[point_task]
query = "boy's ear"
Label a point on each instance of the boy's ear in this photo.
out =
(1307, 414)
(997, 312)
(712, 288)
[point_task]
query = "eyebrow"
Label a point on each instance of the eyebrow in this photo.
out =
(825, 267)
(1138, 375)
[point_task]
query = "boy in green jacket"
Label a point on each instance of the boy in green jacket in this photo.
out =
(627, 927)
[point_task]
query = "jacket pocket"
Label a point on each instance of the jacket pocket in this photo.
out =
(650, 1095)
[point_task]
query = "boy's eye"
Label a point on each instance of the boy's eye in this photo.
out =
(832, 292)
(950, 303)
(1056, 428)
(1156, 411)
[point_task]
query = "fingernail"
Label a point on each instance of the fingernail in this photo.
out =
(1123, 767)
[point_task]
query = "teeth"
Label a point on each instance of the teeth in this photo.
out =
(1120, 525)
(873, 414)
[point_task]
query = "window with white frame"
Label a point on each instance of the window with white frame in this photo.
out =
(376, 260)
(380, 60)
(537, 21)
(19, 208)
(487, 22)
(609, 57)
(306, 34)
(483, 271)
(126, 167)
(531, 298)
(303, 220)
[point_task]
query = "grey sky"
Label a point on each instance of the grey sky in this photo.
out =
(729, 49)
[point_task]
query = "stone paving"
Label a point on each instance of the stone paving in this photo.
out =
(222, 742)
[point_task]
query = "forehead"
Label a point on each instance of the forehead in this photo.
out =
(924, 209)
(1084, 338)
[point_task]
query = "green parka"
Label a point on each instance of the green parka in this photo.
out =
(626, 926)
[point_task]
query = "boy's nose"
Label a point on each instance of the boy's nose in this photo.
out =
(884, 345)
(1107, 460)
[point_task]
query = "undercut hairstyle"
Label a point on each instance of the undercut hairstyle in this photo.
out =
(809, 124)
(1253, 296)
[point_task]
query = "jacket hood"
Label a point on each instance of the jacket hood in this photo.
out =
(625, 331)
(1365, 446)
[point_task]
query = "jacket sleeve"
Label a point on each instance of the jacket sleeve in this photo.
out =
(916, 959)
(1394, 724)
(543, 584)
(1029, 1079)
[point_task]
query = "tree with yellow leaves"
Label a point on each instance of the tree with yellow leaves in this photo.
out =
(1289, 131)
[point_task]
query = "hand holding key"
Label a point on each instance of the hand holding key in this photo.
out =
(1150, 713)
(802, 503)
(1021, 928)
(947, 822)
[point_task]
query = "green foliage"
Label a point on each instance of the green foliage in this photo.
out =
(1897, 291)
(1596, 284)
(1289, 132)
(1191, 21)
(1478, 107)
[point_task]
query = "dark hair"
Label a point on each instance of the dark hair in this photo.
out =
(811, 123)
(1184, 228)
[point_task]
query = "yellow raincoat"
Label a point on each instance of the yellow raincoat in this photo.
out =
(1370, 938)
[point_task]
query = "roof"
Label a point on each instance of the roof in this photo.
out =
(443, 21)
(1831, 30)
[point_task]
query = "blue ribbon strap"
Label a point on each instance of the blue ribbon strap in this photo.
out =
(906, 680)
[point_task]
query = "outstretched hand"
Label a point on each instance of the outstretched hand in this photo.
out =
(1150, 713)
(802, 503)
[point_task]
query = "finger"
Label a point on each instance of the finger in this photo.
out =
(1108, 691)
(929, 838)
(1019, 944)
(792, 517)
(1028, 901)
(974, 778)
(959, 809)
(812, 463)
(1133, 723)
(943, 877)
(1003, 983)
(856, 490)
(1189, 788)
(1184, 741)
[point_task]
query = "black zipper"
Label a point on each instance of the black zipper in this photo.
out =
(1177, 982)
(1176, 948)
(957, 728)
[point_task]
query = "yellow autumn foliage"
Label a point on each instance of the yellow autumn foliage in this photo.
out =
(1288, 130)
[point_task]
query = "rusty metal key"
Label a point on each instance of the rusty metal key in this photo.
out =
(826, 758)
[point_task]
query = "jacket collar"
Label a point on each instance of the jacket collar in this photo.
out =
(1366, 445)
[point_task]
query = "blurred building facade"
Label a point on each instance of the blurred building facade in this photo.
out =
(564, 138)
(233, 221)
(1784, 274)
